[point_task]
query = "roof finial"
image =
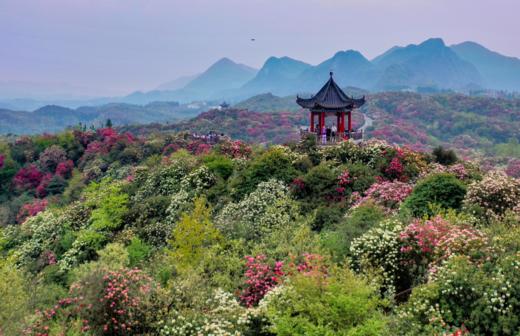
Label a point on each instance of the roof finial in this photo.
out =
(331, 73)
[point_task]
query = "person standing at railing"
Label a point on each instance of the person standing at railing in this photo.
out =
(334, 130)
(323, 135)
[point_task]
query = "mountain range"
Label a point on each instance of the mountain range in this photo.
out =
(431, 64)
(425, 67)
(53, 118)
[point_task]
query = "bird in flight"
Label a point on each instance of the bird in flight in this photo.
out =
(253, 40)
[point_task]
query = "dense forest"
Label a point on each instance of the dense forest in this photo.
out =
(103, 232)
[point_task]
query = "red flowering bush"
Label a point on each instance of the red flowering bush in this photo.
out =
(41, 189)
(344, 179)
(2, 159)
(260, 279)
(395, 169)
(31, 209)
(105, 303)
(64, 169)
(28, 178)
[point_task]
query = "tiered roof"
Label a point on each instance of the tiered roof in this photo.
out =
(330, 97)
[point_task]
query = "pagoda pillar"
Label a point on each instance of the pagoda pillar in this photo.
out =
(322, 122)
(349, 122)
(341, 126)
(312, 122)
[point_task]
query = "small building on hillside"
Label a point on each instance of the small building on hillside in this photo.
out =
(331, 101)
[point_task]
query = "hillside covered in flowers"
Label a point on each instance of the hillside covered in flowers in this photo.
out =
(103, 232)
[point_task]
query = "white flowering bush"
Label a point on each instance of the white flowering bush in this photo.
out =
(166, 180)
(378, 251)
(266, 209)
(42, 232)
(198, 180)
(480, 299)
(495, 194)
(221, 316)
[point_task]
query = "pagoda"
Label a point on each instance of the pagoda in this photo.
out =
(331, 101)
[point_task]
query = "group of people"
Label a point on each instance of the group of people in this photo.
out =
(327, 134)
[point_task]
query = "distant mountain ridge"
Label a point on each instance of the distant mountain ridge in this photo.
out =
(498, 71)
(429, 65)
(53, 118)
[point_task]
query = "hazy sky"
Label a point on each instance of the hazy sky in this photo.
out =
(118, 46)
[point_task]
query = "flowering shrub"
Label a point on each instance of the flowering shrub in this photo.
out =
(264, 210)
(64, 169)
(496, 194)
(222, 315)
(2, 160)
(260, 279)
(166, 179)
(395, 169)
(379, 251)
(28, 178)
(106, 303)
(31, 209)
(235, 149)
(428, 243)
(513, 168)
(465, 296)
(387, 194)
(51, 157)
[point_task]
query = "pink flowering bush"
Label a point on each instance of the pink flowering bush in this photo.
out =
(103, 303)
(236, 149)
(2, 159)
(51, 157)
(513, 168)
(427, 243)
(31, 209)
(260, 279)
(387, 194)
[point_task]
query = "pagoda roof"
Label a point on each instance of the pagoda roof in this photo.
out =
(330, 97)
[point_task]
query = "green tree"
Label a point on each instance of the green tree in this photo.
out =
(193, 235)
(442, 190)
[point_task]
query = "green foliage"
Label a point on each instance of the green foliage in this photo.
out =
(443, 190)
(14, 304)
(340, 304)
(137, 251)
(358, 221)
(444, 156)
(272, 164)
(219, 165)
(193, 235)
(109, 203)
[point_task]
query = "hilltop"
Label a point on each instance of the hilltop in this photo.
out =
(173, 233)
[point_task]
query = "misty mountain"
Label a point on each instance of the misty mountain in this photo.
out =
(277, 76)
(177, 83)
(430, 63)
(498, 71)
(350, 68)
(222, 76)
(52, 118)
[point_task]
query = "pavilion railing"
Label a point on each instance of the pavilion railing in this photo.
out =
(324, 139)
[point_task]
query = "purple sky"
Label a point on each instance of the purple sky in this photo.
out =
(108, 47)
